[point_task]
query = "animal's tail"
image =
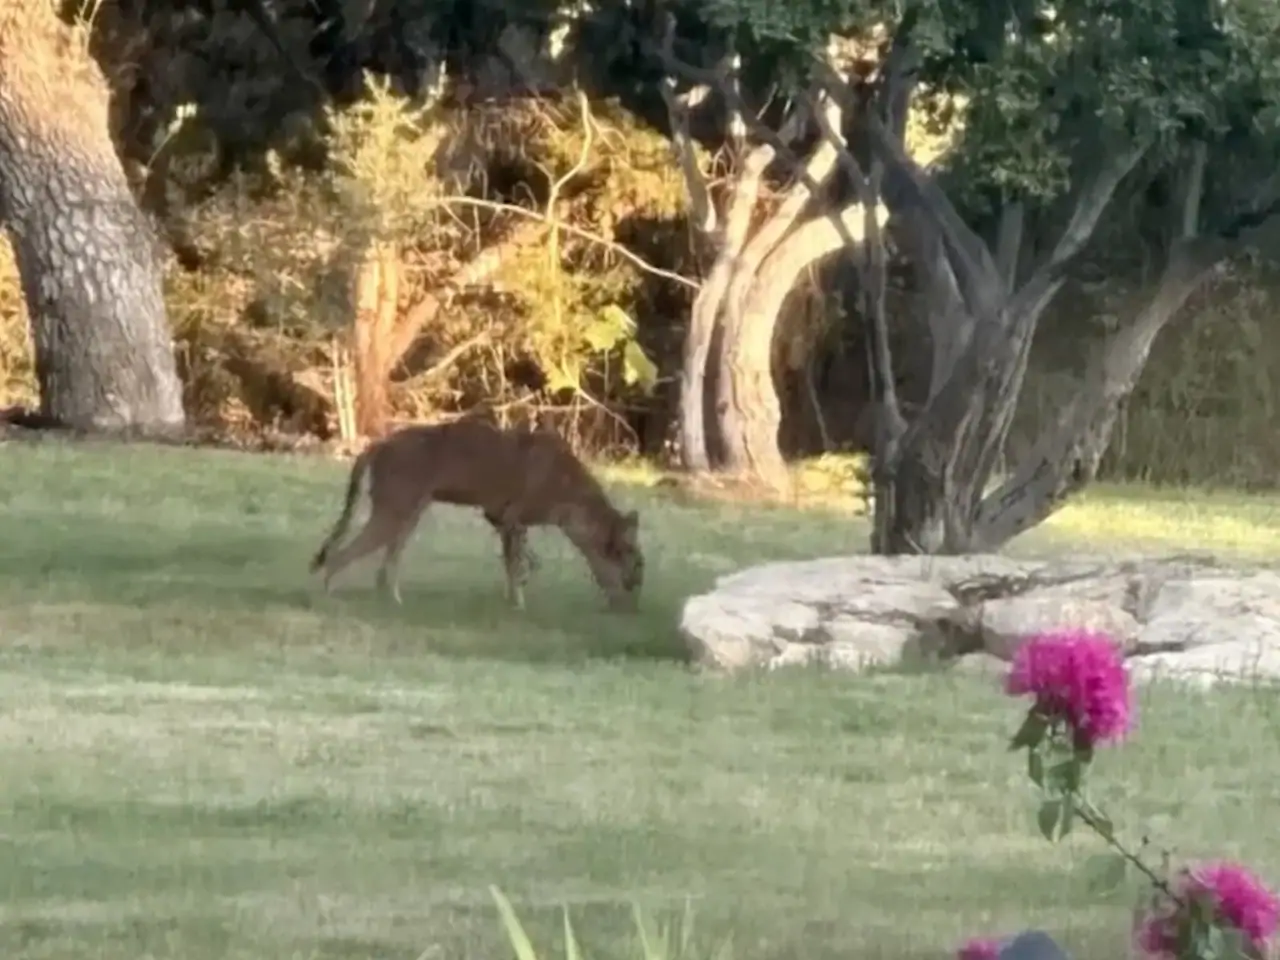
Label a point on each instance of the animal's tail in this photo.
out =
(358, 469)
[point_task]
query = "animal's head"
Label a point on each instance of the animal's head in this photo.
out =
(623, 560)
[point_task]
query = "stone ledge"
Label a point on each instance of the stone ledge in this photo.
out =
(1185, 616)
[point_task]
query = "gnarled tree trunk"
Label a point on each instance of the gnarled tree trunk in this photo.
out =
(86, 253)
(747, 400)
(751, 274)
(935, 486)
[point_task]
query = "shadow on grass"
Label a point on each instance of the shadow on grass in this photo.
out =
(247, 589)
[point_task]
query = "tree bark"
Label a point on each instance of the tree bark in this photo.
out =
(87, 255)
(726, 236)
(705, 315)
(376, 295)
(747, 405)
(1067, 458)
(937, 477)
(763, 272)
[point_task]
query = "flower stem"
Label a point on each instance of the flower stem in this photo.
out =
(1109, 837)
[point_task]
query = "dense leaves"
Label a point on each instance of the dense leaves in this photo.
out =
(1043, 89)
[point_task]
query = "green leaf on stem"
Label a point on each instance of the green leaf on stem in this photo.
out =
(1035, 767)
(1105, 872)
(1032, 731)
(1065, 777)
(1096, 819)
(1050, 815)
(1068, 815)
(1225, 943)
(521, 945)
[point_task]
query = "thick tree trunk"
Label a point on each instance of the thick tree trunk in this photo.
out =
(983, 323)
(694, 448)
(86, 253)
(747, 408)
(728, 241)
(1067, 457)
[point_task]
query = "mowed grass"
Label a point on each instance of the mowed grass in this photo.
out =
(203, 757)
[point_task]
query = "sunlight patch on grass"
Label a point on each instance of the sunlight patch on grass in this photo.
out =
(1186, 521)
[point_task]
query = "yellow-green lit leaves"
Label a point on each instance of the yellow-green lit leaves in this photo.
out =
(612, 329)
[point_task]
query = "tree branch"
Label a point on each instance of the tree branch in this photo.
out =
(976, 273)
(1193, 195)
(611, 245)
(817, 171)
(678, 107)
(719, 78)
(890, 424)
(1009, 242)
(1086, 212)
(1066, 456)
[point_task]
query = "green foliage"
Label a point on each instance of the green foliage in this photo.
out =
(665, 943)
(614, 329)
(1106, 872)
(576, 294)
(382, 150)
(1043, 86)
(608, 331)
(1054, 86)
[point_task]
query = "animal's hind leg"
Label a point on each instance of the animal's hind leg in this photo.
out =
(377, 532)
(389, 571)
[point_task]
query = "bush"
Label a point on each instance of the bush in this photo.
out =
(1080, 690)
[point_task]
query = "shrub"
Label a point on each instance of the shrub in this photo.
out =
(1081, 699)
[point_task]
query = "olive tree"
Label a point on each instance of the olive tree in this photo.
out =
(1061, 105)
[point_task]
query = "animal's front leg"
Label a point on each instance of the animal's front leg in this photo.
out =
(517, 556)
(516, 563)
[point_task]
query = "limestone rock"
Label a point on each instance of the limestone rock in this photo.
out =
(818, 611)
(981, 664)
(1007, 622)
(1242, 659)
(1179, 617)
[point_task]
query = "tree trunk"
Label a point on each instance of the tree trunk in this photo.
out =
(376, 295)
(1067, 457)
(694, 449)
(722, 239)
(747, 406)
(86, 254)
(728, 241)
(934, 480)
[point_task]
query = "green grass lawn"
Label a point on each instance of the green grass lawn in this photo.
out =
(203, 757)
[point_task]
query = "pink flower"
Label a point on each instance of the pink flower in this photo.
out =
(1079, 677)
(979, 949)
(1240, 899)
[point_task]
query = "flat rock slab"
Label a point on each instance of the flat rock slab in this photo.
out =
(1182, 617)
